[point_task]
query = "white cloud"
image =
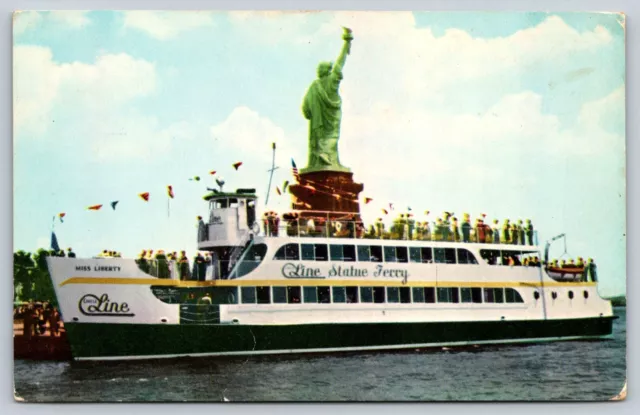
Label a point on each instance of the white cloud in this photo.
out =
(247, 130)
(74, 19)
(25, 20)
(165, 25)
(41, 84)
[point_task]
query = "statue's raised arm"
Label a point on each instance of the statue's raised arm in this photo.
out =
(346, 48)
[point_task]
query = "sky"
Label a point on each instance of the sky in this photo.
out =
(515, 115)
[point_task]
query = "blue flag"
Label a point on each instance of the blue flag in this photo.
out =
(54, 242)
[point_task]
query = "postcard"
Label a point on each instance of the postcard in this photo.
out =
(319, 206)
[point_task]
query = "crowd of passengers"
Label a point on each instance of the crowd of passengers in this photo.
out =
(162, 264)
(404, 227)
(36, 318)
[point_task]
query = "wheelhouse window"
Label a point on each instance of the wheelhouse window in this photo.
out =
(466, 257)
(293, 295)
(248, 295)
(445, 255)
(366, 294)
(393, 295)
(512, 296)
(471, 295)
(289, 252)
(310, 294)
(279, 295)
(448, 295)
(264, 295)
(339, 295)
(352, 294)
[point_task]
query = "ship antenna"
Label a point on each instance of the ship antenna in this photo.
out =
(271, 170)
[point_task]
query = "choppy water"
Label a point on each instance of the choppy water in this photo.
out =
(593, 370)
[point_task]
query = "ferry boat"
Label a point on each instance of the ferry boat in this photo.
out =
(287, 288)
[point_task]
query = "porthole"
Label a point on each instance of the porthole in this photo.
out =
(570, 295)
(554, 295)
(76, 318)
(536, 295)
(586, 294)
(164, 320)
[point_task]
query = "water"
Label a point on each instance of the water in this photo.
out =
(594, 370)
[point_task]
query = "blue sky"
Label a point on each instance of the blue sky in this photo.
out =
(516, 115)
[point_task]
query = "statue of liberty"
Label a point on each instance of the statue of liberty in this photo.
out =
(322, 106)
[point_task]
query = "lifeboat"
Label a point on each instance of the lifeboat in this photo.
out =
(566, 274)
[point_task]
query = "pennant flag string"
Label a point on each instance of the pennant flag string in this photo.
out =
(144, 196)
(94, 207)
(113, 204)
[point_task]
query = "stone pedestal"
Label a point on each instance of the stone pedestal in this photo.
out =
(331, 194)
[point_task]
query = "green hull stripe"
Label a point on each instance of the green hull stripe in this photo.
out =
(95, 340)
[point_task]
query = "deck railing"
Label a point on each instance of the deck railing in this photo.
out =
(330, 227)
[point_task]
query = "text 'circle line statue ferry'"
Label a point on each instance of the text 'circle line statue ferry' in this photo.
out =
(316, 280)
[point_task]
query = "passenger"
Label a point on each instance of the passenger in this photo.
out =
(183, 266)
(445, 227)
(426, 236)
(511, 261)
(419, 233)
(521, 232)
(162, 265)
(529, 231)
(276, 223)
(311, 227)
(351, 226)
(514, 234)
(438, 233)
(483, 234)
(536, 261)
(411, 226)
(496, 231)
(466, 228)
(150, 254)
(526, 262)
(455, 230)
(265, 224)
(592, 271)
(580, 262)
(563, 264)
(572, 263)
(506, 234)
(71, 254)
(371, 232)
(61, 253)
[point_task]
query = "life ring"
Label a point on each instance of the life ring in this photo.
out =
(255, 228)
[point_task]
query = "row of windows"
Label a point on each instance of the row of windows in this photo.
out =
(295, 295)
(374, 253)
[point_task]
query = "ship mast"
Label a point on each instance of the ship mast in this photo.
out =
(271, 170)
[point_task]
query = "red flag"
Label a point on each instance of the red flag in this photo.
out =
(144, 196)
(278, 191)
(212, 172)
(236, 165)
(94, 207)
(367, 200)
(169, 192)
(385, 211)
